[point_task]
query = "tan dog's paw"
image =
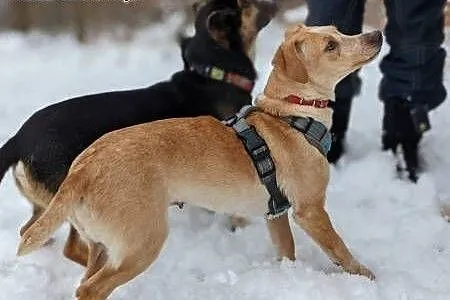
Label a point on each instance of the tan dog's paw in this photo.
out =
(364, 271)
(50, 242)
(445, 211)
(238, 222)
(359, 269)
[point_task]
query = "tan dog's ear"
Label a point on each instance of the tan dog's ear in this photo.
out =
(289, 59)
(278, 61)
(293, 29)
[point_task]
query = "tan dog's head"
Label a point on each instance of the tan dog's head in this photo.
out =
(322, 55)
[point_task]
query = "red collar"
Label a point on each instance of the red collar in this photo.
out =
(240, 81)
(318, 103)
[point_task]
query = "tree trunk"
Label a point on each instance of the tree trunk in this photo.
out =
(20, 16)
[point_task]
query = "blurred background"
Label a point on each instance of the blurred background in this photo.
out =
(87, 20)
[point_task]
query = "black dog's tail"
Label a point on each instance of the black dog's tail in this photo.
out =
(8, 156)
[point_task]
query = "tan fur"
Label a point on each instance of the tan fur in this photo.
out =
(29, 187)
(117, 191)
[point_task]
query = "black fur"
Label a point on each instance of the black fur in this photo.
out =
(51, 138)
(8, 156)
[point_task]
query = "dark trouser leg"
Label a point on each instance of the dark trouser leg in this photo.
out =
(347, 16)
(414, 67)
(412, 73)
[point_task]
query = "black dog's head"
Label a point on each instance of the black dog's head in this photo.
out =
(233, 24)
(225, 31)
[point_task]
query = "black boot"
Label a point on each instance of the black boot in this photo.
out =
(403, 125)
(341, 117)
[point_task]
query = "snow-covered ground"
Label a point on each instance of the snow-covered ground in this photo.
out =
(390, 225)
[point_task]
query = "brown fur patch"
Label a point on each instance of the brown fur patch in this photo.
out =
(249, 30)
(34, 191)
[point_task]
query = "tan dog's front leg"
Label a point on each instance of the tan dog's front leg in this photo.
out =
(281, 235)
(316, 222)
(75, 249)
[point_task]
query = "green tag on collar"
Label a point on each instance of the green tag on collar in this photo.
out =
(217, 74)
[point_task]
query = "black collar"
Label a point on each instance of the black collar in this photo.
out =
(219, 74)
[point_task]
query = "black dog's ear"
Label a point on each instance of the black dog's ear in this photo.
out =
(197, 5)
(183, 42)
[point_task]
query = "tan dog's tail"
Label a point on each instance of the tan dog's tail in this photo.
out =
(60, 208)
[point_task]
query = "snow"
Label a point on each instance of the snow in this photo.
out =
(392, 226)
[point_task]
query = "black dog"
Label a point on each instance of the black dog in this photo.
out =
(217, 80)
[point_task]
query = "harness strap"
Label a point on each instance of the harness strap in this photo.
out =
(259, 152)
(315, 132)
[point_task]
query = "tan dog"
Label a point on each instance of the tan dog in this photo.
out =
(118, 190)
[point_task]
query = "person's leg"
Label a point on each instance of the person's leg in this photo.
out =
(412, 80)
(347, 16)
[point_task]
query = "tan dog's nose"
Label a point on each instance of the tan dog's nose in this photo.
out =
(374, 37)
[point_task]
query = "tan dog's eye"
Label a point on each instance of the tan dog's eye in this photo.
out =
(331, 46)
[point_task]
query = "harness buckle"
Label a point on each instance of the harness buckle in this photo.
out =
(320, 103)
(261, 152)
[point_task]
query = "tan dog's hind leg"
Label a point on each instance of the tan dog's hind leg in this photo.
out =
(238, 222)
(281, 234)
(135, 260)
(75, 249)
(95, 261)
(316, 222)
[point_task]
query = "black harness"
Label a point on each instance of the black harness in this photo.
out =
(315, 132)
